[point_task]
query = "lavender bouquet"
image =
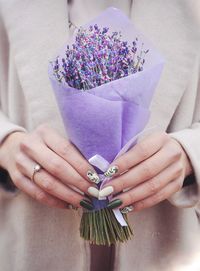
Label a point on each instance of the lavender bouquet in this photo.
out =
(104, 79)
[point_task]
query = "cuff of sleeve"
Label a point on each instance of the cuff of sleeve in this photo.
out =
(7, 127)
(189, 195)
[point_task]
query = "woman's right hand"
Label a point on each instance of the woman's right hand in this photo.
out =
(64, 176)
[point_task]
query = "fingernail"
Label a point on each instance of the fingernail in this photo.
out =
(87, 205)
(106, 191)
(93, 177)
(127, 209)
(93, 191)
(111, 171)
(114, 204)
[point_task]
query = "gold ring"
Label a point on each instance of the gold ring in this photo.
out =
(36, 169)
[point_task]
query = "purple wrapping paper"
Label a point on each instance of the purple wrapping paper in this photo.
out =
(102, 120)
(98, 125)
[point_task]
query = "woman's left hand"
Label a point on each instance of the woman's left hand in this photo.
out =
(152, 171)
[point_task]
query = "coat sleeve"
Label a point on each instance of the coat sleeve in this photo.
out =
(6, 125)
(188, 135)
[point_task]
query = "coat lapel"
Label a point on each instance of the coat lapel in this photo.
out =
(82, 12)
(37, 29)
(170, 26)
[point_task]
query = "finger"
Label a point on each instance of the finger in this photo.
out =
(163, 194)
(36, 193)
(152, 186)
(54, 164)
(47, 182)
(57, 189)
(65, 149)
(140, 152)
(146, 170)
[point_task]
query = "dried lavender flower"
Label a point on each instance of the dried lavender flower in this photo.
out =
(98, 57)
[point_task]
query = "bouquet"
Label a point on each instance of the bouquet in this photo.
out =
(104, 80)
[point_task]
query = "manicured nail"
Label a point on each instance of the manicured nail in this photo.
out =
(111, 171)
(127, 209)
(114, 204)
(93, 177)
(106, 191)
(93, 191)
(87, 205)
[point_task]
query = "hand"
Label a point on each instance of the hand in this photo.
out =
(62, 179)
(152, 171)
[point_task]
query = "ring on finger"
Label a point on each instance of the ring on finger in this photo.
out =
(36, 169)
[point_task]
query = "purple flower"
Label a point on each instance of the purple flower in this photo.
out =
(97, 57)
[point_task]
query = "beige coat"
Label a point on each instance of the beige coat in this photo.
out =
(34, 237)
